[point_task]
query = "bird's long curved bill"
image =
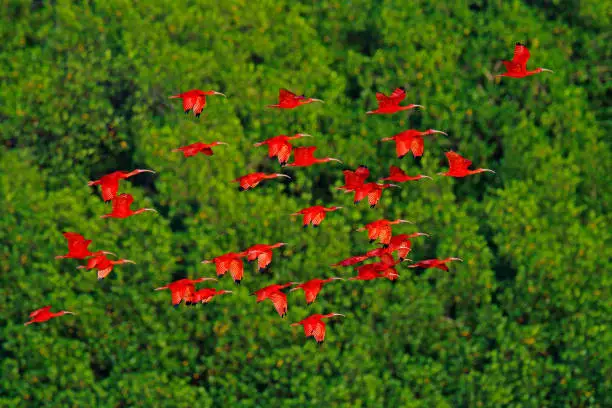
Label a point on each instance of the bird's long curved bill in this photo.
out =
(547, 70)
(337, 160)
(222, 143)
(146, 171)
(150, 209)
(439, 131)
(128, 261)
(304, 135)
(316, 100)
(427, 177)
(489, 170)
(283, 175)
(67, 312)
(109, 253)
(219, 93)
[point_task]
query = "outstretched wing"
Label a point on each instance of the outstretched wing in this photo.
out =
(189, 102)
(284, 151)
(198, 106)
(396, 97)
(318, 332)
(264, 259)
(457, 162)
(285, 95)
(521, 56)
(374, 196)
(73, 237)
(122, 202)
(311, 293)
(39, 311)
(303, 154)
(236, 269)
(417, 145)
(402, 147)
(396, 171)
(318, 218)
(384, 232)
(279, 299)
(109, 189)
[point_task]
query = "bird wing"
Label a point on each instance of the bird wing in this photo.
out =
(304, 154)
(361, 193)
(284, 152)
(177, 296)
(73, 237)
(103, 273)
(285, 95)
(199, 104)
(222, 266)
(440, 266)
(521, 56)
(455, 161)
(318, 218)
(318, 332)
(122, 202)
(39, 311)
(307, 218)
(109, 189)
(387, 259)
(188, 102)
(402, 147)
(279, 299)
(394, 99)
(396, 171)
(236, 269)
(374, 196)
(417, 145)
(207, 151)
(264, 259)
(311, 292)
(308, 327)
(384, 233)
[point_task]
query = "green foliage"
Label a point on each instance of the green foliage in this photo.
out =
(524, 321)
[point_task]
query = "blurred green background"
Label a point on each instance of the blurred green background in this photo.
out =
(523, 322)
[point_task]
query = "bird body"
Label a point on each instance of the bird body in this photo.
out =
(263, 254)
(313, 287)
(371, 190)
(289, 100)
(434, 263)
(304, 156)
(376, 270)
(78, 247)
(314, 326)
(109, 184)
(517, 68)
(194, 100)
(103, 265)
(402, 244)
(410, 140)
(122, 207)
(354, 179)
(232, 262)
(458, 166)
(391, 104)
(251, 180)
(279, 146)
(44, 313)
(278, 298)
(314, 215)
(206, 295)
(398, 175)
(198, 147)
(381, 230)
(183, 289)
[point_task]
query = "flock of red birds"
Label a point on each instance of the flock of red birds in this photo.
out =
(355, 181)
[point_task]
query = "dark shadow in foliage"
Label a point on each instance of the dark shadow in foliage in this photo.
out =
(366, 41)
(478, 6)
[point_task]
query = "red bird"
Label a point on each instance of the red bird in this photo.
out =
(371, 190)
(381, 230)
(376, 270)
(44, 313)
(458, 166)
(382, 253)
(278, 298)
(279, 146)
(103, 265)
(402, 244)
(195, 100)
(253, 179)
(391, 104)
(354, 179)
(399, 176)
(183, 289)
(206, 295)
(77, 247)
(313, 287)
(304, 156)
(410, 140)
(289, 100)
(314, 326)
(434, 263)
(110, 183)
(231, 262)
(517, 68)
(263, 254)
(315, 215)
(121, 207)
(198, 147)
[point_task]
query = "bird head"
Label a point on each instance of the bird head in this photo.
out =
(432, 131)
(65, 312)
(400, 221)
(299, 135)
(124, 261)
(422, 176)
(332, 159)
(455, 259)
(223, 291)
(545, 70)
(334, 208)
(387, 139)
(281, 175)
(333, 314)
(203, 93)
(419, 234)
(218, 143)
(310, 100)
(207, 261)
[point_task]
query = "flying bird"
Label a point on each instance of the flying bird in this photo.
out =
(399, 176)
(44, 313)
(517, 68)
(278, 298)
(391, 104)
(231, 262)
(383, 253)
(313, 287)
(410, 140)
(103, 265)
(122, 207)
(458, 166)
(314, 326)
(434, 263)
(381, 230)
(251, 180)
(205, 295)
(198, 147)
(109, 184)
(289, 100)
(354, 179)
(279, 146)
(183, 289)
(402, 244)
(376, 270)
(263, 254)
(195, 100)
(304, 156)
(314, 215)
(371, 190)
(77, 247)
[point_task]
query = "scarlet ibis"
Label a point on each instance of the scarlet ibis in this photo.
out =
(410, 140)
(315, 215)
(314, 326)
(402, 244)
(263, 254)
(381, 230)
(121, 207)
(103, 265)
(313, 287)
(206, 295)
(399, 176)
(371, 190)
(458, 166)
(376, 270)
(198, 147)
(304, 156)
(278, 298)
(77, 247)
(354, 179)
(195, 100)
(183, 289)
(279, 146)
(517, 68)
(44, 313)
(251, 180)
(289, 100)
(109, 184)
(231, 262)
(383, 253)
(391, 104)
(434, 263)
